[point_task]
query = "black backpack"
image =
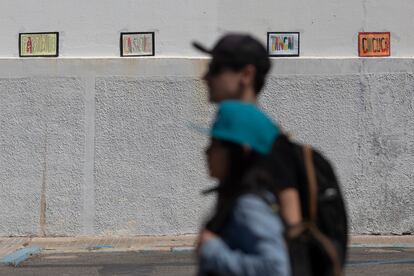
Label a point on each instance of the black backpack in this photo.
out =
(318, 245)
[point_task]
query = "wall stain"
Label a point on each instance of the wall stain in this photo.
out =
(42, 222)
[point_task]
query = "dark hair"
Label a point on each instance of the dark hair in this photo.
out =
(247, 174)
(262, 68)
(260, 77)
(236, 50)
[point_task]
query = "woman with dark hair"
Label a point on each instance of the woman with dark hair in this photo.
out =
(245, 234)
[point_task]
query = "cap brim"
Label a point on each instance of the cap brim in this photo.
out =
(200, 129)
(201, 48)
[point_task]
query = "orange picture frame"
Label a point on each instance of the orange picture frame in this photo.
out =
(374, 44)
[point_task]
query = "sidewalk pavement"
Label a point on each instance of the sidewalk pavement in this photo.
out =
(16, 248)
(19, 248)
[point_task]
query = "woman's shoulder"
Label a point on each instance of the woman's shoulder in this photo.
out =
(253, 213)
(255, 201)
(253, 206)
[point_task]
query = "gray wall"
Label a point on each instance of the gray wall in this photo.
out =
(101, 146)
(328, 28)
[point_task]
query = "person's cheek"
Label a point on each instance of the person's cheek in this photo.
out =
(211, 170)
(212, 165)
(209, 164)
(221, 165)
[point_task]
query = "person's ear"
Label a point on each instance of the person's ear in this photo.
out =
(248, 75)
(246, 149)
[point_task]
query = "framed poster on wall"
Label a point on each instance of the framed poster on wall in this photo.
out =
(374, 44)
(39, 44)
(283, 44)
(137, 44)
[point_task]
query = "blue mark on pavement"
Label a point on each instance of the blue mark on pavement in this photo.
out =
(182, 249)
(20, 255)
(101, 247)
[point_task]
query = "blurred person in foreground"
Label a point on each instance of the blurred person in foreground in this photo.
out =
(246, 236)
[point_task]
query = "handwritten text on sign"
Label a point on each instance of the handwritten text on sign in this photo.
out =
(38, 44)
(137, 44)
(374, 44)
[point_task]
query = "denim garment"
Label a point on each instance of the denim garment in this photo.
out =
(252, 242)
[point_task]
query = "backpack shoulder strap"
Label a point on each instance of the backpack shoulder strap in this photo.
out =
(313, 205)
(311, 181)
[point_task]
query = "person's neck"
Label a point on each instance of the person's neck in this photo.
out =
(249, 96)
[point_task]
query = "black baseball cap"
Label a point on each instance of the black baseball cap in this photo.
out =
(234, 51)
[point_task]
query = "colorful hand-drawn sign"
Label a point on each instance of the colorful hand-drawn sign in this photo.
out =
(283, 44)
(39, 44)
(374, 44)
(137, 44)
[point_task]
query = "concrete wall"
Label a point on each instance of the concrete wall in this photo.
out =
(93, 144)
(100, 146)
(92, 27)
